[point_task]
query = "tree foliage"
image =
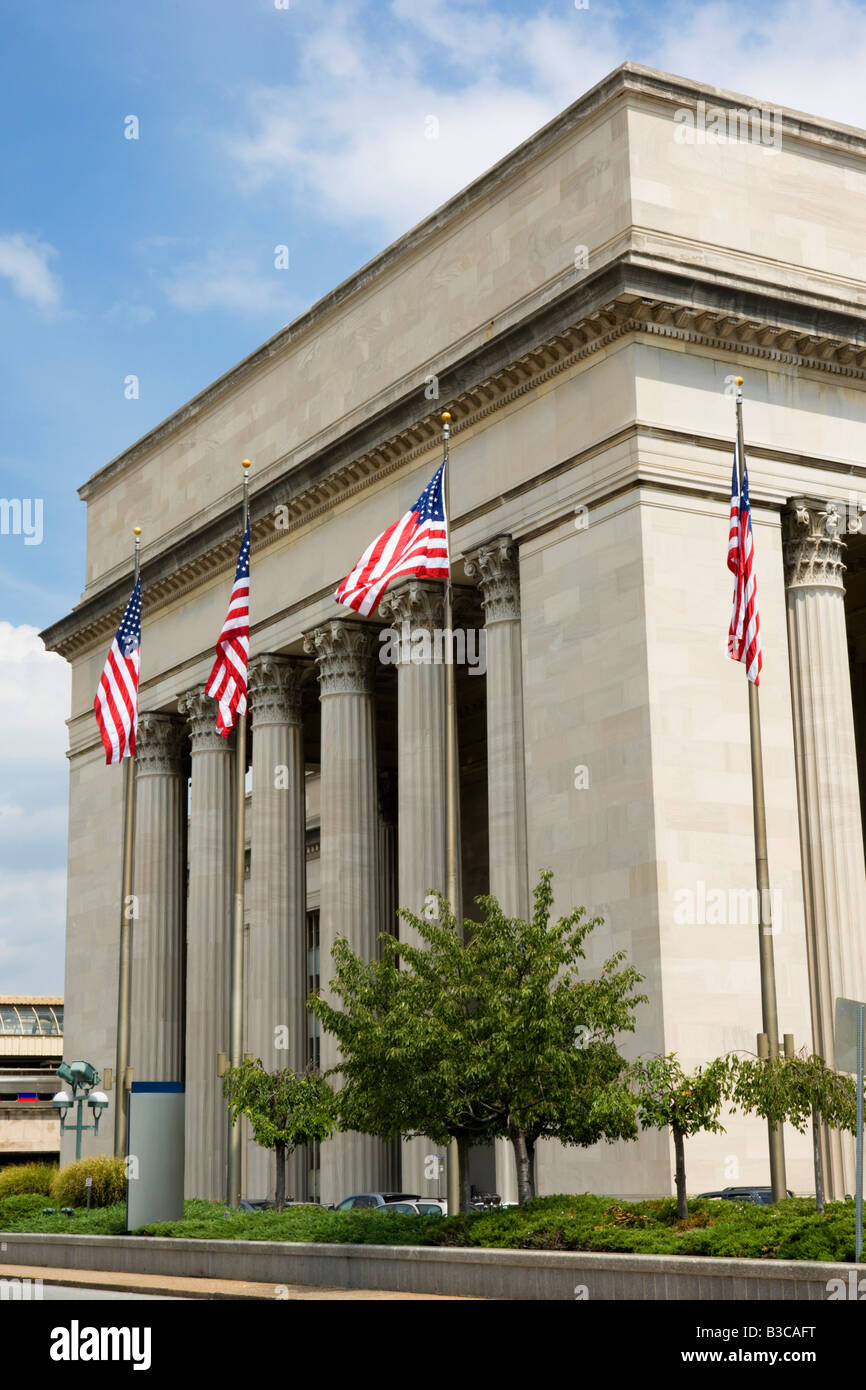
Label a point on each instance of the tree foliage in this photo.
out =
(666, 1096)
(285, 1108)
(788, 1088)
(484, 1032)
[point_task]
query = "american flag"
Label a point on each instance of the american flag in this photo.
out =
(744, 635)
(116, 702)
(417, 544)
(227, 682)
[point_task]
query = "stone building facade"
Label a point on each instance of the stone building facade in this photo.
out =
(581, 309)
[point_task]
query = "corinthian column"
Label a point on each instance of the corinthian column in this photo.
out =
(831, 838)
(157, 939)
(416, 610)
(208, 948)
(349, 855)
(276, 1019)
(496, 566)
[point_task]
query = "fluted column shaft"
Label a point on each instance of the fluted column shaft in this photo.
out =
(496, 565)
(157, 1023)
(831, 838)
(208, 946)
(276, 989)
(413, 608)
(349, 855)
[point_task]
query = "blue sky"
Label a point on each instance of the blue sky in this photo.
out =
(258, 126)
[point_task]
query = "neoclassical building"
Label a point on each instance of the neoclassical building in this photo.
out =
(581, 309)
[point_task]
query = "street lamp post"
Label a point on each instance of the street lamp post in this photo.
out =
(82, 1077)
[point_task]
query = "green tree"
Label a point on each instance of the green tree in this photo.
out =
(486, 1032)
(799, 1089)
(285, 1108)
(667, 1097)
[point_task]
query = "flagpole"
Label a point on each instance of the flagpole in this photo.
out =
(769, 1012)
(236, 1006)
(124, 983)
(452, 802)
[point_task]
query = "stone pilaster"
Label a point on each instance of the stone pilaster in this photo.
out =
(345, 652)
(496, 566)
(831, 839)
(208, 950)
(276, 959)
(156, 1052)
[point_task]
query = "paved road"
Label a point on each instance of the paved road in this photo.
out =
(61, 1293)
(85, 1284)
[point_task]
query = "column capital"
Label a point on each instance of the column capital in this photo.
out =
(496, 565)
(812, 546)
(200, 712)
(159, 743)
(345, 654)
(275, 688)
(420, 602)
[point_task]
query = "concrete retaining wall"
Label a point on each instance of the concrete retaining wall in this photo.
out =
(498, 1274)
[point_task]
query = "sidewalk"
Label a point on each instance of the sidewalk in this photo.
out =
(204, 1288)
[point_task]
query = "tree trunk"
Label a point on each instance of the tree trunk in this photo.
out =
(530, 1149)
(680, 1151)
(819, 1166)
(463, 1147)
(280, 1193)
(523, 1163)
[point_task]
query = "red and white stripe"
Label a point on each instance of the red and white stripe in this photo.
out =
(410, 546)
(744, 634)
(116, 700)
(227, 683)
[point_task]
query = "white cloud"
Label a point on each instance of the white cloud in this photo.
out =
(219, 280)
(24, 263)
(347, 139)
(809, 57)
(352, 138)
(34, 704)
(32, 931)
(129, 315)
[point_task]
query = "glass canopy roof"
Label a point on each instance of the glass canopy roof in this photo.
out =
(43, 1020)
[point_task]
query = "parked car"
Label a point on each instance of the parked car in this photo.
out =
(762, 1195)
(423, 1207)
(267, 1203)
(374, 1199)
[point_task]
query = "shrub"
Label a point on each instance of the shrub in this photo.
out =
(109, 1182)
(22, 1205)
(27, 1177)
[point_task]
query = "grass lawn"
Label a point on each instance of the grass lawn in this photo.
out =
(791, 1230)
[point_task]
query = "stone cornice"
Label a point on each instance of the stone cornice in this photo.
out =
(605, 309)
